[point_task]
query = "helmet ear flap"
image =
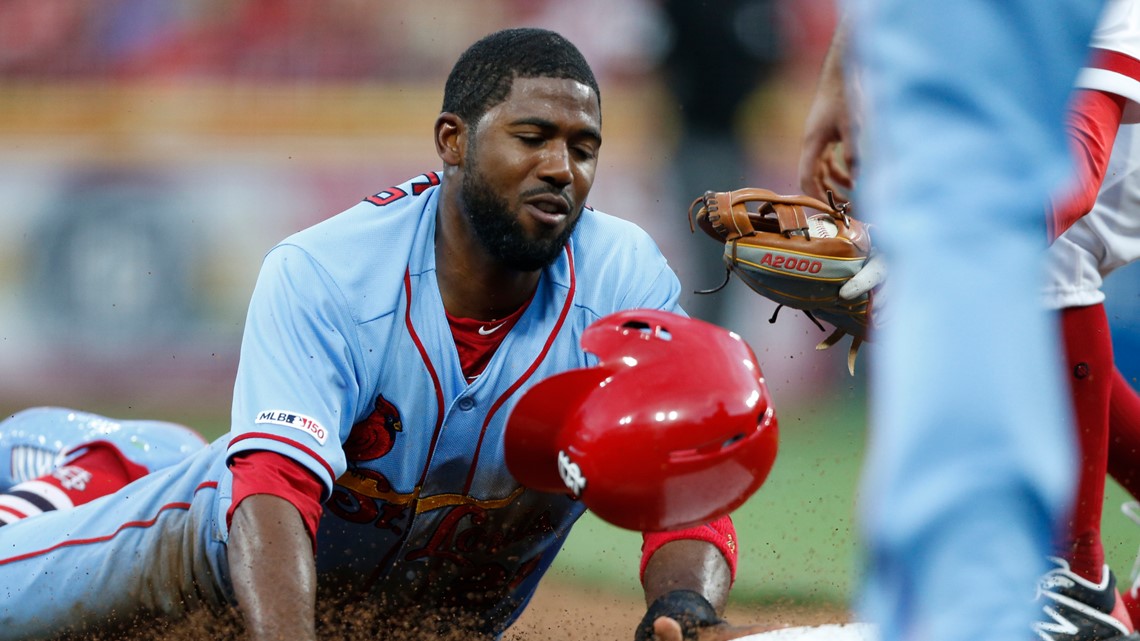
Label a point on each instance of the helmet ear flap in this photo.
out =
(673, 428)
(537, 424)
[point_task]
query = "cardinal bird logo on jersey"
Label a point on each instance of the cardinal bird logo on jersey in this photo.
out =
(373, 437)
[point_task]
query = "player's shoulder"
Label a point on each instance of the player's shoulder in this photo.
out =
(386, 211)
(599, 230)
(614, 257)
(365, 248)
(382, 224)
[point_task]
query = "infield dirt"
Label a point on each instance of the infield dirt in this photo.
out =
(559, 610)
(593, 615)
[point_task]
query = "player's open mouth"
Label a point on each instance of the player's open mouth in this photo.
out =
(549, 210)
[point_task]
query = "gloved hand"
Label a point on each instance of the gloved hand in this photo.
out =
(870, 276)
(871, 279)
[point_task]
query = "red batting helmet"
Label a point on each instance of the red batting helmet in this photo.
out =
(673, 428)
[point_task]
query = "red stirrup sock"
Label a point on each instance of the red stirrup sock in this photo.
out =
(1088, 348)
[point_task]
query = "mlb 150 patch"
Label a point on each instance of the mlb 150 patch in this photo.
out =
(296, 421)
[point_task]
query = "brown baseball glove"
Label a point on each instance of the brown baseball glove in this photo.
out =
(795, 250)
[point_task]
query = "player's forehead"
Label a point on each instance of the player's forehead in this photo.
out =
(563, 101)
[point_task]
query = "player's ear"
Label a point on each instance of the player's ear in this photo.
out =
(451, 138)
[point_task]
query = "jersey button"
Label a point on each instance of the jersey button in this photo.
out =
(466, 403)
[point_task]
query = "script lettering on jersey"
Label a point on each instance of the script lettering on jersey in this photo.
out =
(306, 424)
(466, 533)
(355, 506)
(471, 538)
(791, 263)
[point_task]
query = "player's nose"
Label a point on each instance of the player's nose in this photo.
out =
(555, 167)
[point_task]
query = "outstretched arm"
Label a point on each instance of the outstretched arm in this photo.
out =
(273, 570)
(688, 564)
(686, 584)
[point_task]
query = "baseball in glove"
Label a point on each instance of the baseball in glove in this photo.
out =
(795, 250)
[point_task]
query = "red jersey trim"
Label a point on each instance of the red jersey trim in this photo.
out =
(1115, 62)
(281, 439)
(431, 371)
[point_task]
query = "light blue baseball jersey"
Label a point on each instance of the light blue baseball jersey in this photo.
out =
(348, 366)
(970, 466)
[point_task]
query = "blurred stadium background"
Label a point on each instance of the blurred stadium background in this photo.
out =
(152, 151)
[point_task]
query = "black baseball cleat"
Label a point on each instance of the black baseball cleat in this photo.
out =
(1076, 609)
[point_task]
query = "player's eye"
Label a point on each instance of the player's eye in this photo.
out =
(584, 153)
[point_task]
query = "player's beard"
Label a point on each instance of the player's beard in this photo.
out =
(500, 232)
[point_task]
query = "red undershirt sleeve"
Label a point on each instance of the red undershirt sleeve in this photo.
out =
(1092, 122)
(262, 472)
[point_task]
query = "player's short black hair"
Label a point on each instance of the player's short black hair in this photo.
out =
(484, 74)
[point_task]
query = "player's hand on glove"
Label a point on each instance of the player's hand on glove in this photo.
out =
(827, 162)
(684, 615)
(827, 157)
